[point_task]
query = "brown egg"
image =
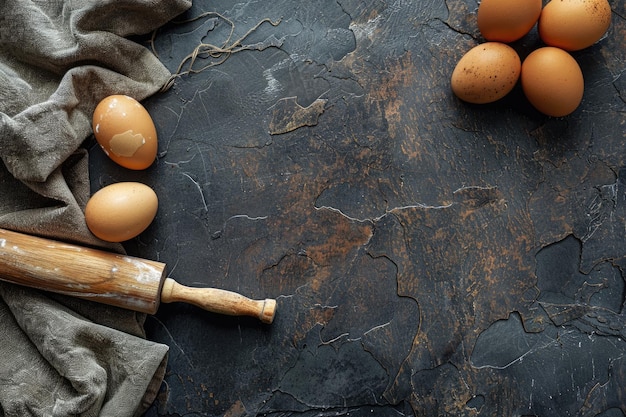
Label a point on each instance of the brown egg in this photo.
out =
(507, 20)
(121, 211)
(125, 132)
(552, 81)
(574, 24)
(486, 73)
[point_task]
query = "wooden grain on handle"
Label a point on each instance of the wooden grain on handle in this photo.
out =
(105, 277)
(109, 278)
(219, 301)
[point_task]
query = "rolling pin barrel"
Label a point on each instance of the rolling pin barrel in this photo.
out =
(109, 278)
(104, 277)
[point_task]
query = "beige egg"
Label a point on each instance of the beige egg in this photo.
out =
(125, 132)
(486, 73)
(121, 211)
(552, 81)
(507, 20)
(574, 24)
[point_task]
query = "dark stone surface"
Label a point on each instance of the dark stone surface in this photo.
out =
(429, 257)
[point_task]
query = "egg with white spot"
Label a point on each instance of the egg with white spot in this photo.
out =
(125, 132)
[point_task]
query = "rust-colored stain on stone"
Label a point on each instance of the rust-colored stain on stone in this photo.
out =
(428, 257)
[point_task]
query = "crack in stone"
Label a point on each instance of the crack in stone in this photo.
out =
(197, 184)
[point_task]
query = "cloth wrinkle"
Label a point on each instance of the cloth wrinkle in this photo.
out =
(64, 356)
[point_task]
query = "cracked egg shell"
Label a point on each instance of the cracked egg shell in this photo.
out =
(125, 132)
(486, 73)
(121, 211)
(507, 20)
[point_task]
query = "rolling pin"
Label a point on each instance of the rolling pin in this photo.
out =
(109, 278)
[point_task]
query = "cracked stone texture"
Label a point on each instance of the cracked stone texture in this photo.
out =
(429, 257)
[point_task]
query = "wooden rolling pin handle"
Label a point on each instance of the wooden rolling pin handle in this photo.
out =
(118, 280)
(219, 301)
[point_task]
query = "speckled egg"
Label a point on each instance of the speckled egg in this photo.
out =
(486, 73)
(574, 24)
(125, 132)
(552, 81)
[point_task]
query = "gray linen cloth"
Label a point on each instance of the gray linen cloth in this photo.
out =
(61, 356)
